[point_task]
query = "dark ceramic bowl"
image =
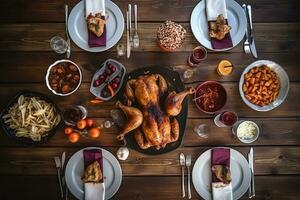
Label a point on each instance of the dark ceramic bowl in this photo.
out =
(24, 140)
(221, 100)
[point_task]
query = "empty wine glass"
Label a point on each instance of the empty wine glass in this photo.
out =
(118, 117)
(202, 130)
(187, 74)
(121, 50)
(58, 44)
(185, 71)
(107, 124)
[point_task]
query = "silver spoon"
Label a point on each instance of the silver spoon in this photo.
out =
(182, 164)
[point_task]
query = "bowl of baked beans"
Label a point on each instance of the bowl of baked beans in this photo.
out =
(264, 85)
(63, 77)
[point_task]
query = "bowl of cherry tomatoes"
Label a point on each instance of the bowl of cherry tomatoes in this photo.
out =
(84, 128)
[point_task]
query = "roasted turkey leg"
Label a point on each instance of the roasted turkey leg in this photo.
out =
(173, 102)
(134, 119)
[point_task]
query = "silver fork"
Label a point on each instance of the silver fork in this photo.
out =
(58, 168)
(136, 40)
(246, 43)
(182, 164)
(188, 162)
(67, 33)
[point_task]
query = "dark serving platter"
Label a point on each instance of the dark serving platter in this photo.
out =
(11, 132)
(174, 84)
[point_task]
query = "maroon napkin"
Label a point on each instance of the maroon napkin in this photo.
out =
(225, 43)
(220, 156)
(90, 155)
(95, 41)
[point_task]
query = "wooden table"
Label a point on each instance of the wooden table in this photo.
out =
(29, 173)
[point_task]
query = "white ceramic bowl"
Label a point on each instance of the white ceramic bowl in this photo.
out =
(250, 140)
(48, 73)
(284, 85)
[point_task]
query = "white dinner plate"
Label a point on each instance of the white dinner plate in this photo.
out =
(236, 19)
(78, 29)
(240, 174)
(111, 171)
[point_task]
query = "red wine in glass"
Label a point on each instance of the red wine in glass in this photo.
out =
(199, 54)
(73, 114)
(226, 118)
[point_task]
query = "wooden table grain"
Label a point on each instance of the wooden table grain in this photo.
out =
(29, 173)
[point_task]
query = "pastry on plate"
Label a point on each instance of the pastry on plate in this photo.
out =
(222, 173)
(96, 24)
(92, 173)
(219, 28)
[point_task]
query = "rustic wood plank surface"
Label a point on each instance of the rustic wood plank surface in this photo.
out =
(25, 30)
(38, 161)
(150, 10)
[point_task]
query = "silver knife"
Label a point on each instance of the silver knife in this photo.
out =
(127, 34)
(63, 159)
(252, 43)
(130, 25)
(67, 33)
(251, 155)
(249, 165)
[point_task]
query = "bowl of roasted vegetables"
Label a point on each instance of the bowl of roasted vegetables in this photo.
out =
(63, 77)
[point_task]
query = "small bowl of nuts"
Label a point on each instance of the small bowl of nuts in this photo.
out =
(63, 77)
(264, 85)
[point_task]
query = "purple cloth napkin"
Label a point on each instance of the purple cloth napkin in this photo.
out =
(95, 41)
(220, 156)
(225, 43)
(90, 155)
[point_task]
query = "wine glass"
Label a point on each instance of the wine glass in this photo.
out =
(202, 130)
(58, 44)
(73, 114)
(226, 119)
(119, 118)
(121, 50)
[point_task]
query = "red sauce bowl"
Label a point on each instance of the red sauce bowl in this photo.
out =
(210, 97)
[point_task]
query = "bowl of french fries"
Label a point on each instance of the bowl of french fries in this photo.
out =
(30, 118)
(264, 85)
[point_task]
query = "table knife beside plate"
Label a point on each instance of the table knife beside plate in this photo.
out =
(127, 35)
(252, 184)
(67, 32)
(251, 38)
(58, 168)
(130, 25)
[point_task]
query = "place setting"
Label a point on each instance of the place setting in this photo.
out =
(151, 110)
(110, 23)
